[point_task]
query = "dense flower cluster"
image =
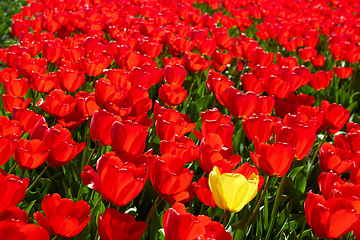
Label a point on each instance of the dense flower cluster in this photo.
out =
(160, 90)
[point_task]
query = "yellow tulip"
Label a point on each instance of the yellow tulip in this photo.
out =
(232, 191)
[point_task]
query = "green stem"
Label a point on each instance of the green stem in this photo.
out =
(34, 100)
(242, 72)
(275, 207)
(37, 179)
(256, 207)
(54, 237)
(188, 99)
(315, 154)
(226, 218)
(92, 154)
(302, 229)
(96, 235)
(222, 216)
(12, 168)
(156, 203)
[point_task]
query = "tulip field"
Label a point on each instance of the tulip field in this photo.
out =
(179, 119)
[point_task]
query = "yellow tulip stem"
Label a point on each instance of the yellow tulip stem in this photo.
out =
(212, 213)
(226, 218)
(256, 207)
(275, 207)
(222, 216)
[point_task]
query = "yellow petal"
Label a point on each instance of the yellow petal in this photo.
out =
(232, 191)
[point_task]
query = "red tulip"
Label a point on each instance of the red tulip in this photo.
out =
(330, 218)
(343, 72)
(101, 125)
(214, 153)
(181, 225)
(17, 87)
(328, 182)
(120, 226)
(307, 53)
(7, 148)
(12, 190)
(151, 48)
(265, 105)
(129, 137)
(70, 79)
(58, 139)
(118, 182)
(183, 147)
(321, 79)
(291, 103)
(301, 137)
(172, 95)
(53, 50)
(221, 36)
(206, 46)
(95, 66)
(43, 82)
(278, 87)
(86, 103)
(203, 192)
(146, 76)
(11, 102)
(30, 154)
(175, 74)
(14, 224)
(63, 217)
(239, 104)
(335, 159)
(273, 160)
(335, 116)
(27, 118)
(318, 61)
(259, 126)
(169, 177)
(214, 122)
(193, 62)
(57, 104)
(10, 129)
(221, 60)
(170, 123)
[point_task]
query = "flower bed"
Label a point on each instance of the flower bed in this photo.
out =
(130, 119)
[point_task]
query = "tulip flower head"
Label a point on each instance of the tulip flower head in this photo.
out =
(232, 191)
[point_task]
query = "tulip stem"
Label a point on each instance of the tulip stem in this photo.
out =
(37, 179)
(54, 237)
(96, 235)
(315, 154)
(155, 205)
(256, 207)
(12, 168)
(92, 154)
(222, 216)
(34, 100)
(275, 207)
(226, 217)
